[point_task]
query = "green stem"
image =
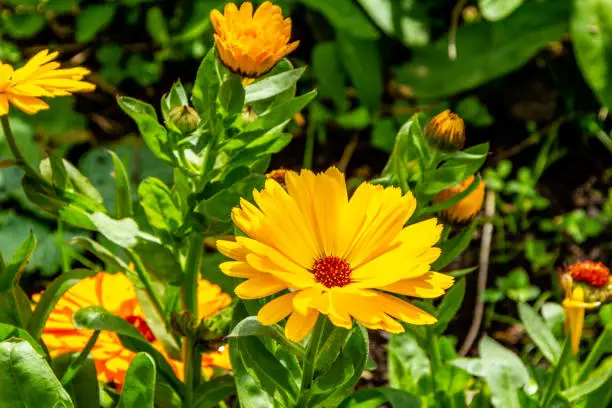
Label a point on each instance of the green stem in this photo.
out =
(74, 368)
(595, 355)
(309, 366)
(309, 148)
(21, 160)
(435, 359)
(64, 256)
(189, 297)
(553, 384)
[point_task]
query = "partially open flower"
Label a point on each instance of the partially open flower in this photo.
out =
(445, 132)
(586, 284)
(251, 44)
(468, 207)
(323, 253)
(39, 77)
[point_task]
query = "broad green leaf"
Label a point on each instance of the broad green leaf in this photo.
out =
(338, 374)
(453, 247)
(591, 30)
(159, 206)
(96, 318)
(160, 261)
(93, 19)
(281, 113)
(232, 94)
(112, 263)
(26, 380)
(485, 50)
(272, 85)
(83, 388)
(206, 87)
(539, 332)
(408, 362)
(154, 134)
(376, 397)
(250, 326)
(450, 305)
(332, 344)
(50, 297)
(209, 393)
(11, 274)
(123, 196)
(82, 184)
(327, 67)
(362, 62)
(121, 232)
(345, 16)
(250, 392)
(8, 331)
(58, 176)
(600, 376)
(494, 10)
(139, 388)
(409, 145)
(405, 20)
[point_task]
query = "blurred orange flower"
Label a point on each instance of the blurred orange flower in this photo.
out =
(468, 207)
(251, 44)
(39, 77)
(117, 294)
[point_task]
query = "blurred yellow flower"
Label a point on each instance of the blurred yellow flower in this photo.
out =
(339, 257)
(446, 131)
(251, 44)
(579, 279)
(39, 77)
(116, 293)
(468, 207)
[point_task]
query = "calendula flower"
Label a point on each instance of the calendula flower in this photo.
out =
(446, 132)
(117, 294)
(468, 207)
(582, 282)
(343, 258)
(251, 44)
(39, 77)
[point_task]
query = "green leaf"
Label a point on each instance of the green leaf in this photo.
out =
(591, 31)
(540, 333)
(112, 263)
(96, 318)
(600, 376)
(376, 397)
(83, 388)
(26, 380)
(157, 26)
(139, 387)
(121, 232)
(408, 362)
(93, 19)
(11, 274)
(82, 184)
(485, 50)
(250, 392)
(50, 297)
(59, 177)
(8, 331)
(361, 59)
(123, 196)
(162, 212)
(160, 261)
(332, 344)
(406, 21)
(250, 326)
(23, 25)
(232, 94)
(327, 68)
(206, 87)
(210, 393)
(345, 16)
(494, 10)
(409, 145)
(453, 247)
(339, 374)
(383, 134)
(280, 113)
(272, 85)
(450, 305)
(154, 134)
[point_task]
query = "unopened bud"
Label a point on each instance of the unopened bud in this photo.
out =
(468, 207)
(445, 132)
(212, 330)
(183, 324)
(184, 118)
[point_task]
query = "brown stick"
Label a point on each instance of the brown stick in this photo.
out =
(452, 33)
(483, 271)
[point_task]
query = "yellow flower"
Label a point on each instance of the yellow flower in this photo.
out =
(251, 44)
(39, 77)
(578, 280)
(331, 255)
(116, 293)
(468, 207)
(446, 132)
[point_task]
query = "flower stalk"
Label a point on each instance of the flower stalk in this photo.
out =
(308, 371)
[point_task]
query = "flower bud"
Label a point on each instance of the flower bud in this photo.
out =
(183, 324)
(445, 132)
(211, 330)
(468, 207)
(184, 118)
(278, 175)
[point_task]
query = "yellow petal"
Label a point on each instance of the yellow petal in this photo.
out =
(277, 309)
(298, 326)
(259, 287)
(429, 285)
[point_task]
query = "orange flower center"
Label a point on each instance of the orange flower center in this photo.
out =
(332, 271)
(593, 273)
(142, 326)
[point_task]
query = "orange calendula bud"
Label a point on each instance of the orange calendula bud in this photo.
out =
(468, 207)
(251, 44)
(277, 175)
(446, 132)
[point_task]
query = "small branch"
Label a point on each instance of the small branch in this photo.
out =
(483, 270)
(348, 153)
(452, 33)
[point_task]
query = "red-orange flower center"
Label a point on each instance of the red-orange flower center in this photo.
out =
(593, 273)
(142, 326)
(332, 271)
